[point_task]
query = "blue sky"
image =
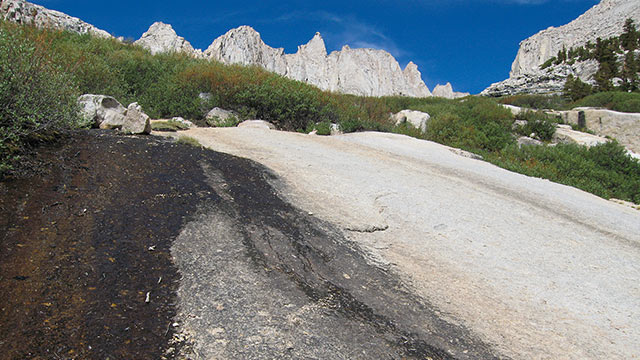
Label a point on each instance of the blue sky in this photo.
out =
(470, 43)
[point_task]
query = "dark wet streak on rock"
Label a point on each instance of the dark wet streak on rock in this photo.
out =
(78, 237)
(317, 257)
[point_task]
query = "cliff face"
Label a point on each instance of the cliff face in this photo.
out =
(366, 72)
(604, 20)
(22, 12)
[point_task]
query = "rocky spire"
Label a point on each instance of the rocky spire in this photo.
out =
(162, 38)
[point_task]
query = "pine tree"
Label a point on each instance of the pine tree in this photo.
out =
(629, 38)
(575, 89)
(603, 77)
(630, 72)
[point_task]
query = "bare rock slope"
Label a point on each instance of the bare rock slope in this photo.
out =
(536, 269)
(23, 12)
(604, 20)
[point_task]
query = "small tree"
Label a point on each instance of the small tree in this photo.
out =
(575, 89)
(630, 72)
(629, 38)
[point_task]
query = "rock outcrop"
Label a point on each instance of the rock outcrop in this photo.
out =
(23, 12)
(604, 20)
(366, 72)
(446, 91)
(161, 38)
(624, 127)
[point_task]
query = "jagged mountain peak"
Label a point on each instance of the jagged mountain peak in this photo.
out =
(161, 38)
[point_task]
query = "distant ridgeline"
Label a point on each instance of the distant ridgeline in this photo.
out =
(364, 72)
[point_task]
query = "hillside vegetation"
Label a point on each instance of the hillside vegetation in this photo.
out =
(44, 71)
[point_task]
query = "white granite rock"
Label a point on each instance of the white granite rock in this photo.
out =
(417, 119)
(161, 38)
(136, 121)
(526, 141)
(257, 124)
(23, 12)
(101, 111)
(577, 137)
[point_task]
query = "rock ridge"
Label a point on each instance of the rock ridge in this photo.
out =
(365, 72)
(603, 20)
(23, 12)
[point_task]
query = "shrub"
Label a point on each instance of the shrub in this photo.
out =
(215, 121)
(37, 99)
(188, 140)
(543, 125)
(613, 100)
(604, 170)
(538, 102)
(169, 125)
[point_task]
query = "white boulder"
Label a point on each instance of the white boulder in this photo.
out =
(101, 111)
(136, 121)
(257, 124)
(219, 117)
(417, 119)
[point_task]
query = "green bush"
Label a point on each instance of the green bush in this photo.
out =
(37, 98)
(604, 170)
(613, 100)
(475, 124)
(539, 123)
(538, 102)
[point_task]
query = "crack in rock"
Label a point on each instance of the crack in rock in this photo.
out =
(367, 228)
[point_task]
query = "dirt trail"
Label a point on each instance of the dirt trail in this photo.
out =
(536, 269)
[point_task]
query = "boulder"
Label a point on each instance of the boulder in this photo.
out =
(525, 140)
(515, 110)
(336, 129)
(567, 136)
(101, 111)
(136, 121)
(182, 121)
(219, 117)
(624, 127)
(257, 124)
(417, 119)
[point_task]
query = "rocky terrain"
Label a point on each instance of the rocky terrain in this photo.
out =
(604, 20)
(23, 12)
